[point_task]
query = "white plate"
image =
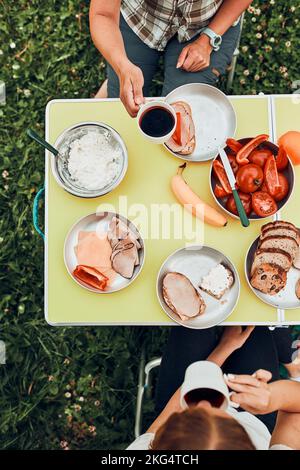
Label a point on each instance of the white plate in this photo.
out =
(99, 221)
(285, 299)
(213, 116)
(195, 262)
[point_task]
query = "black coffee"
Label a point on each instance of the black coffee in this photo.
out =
(157, 121)
(214, 397)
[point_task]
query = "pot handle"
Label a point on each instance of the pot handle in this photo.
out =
(35, 212)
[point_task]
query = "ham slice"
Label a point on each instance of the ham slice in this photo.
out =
(90, 276)
(94, 250)
(125, 245)
(187, 127)
(181, 296)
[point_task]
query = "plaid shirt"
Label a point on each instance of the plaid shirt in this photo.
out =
(157, 21)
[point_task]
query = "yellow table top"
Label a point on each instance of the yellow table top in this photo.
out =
(147, 182)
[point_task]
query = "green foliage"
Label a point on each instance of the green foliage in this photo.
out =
(76, 387)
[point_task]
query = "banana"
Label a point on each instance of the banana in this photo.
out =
(193, 203)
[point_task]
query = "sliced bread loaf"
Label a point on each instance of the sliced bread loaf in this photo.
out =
(281, 230)
(276, 223)
(282, 242)
(269, 278)
(272, 255)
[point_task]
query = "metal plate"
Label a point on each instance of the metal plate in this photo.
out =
(286, 299)
(288, 172)
(195, 262)
(213, 116)
(99, 221)
(59, 165)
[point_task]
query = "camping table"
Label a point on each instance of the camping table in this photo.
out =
(147, 182)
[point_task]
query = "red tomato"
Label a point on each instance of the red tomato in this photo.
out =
(284, 187)
(263, 204)
(290, 141)
(244, 152)
(177, 134)
(249, 178)
(259, 157)
(220, 192)
(246, 201)
(271, 176)
(221, 175)
(281, 159)
(234, 164)
(234, 145)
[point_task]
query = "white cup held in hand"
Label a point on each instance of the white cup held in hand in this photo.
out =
(204, 381)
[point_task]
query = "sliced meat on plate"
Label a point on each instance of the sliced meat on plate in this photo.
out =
(187, 142)
(181, 296)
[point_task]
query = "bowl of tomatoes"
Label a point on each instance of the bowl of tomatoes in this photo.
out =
(264, 177)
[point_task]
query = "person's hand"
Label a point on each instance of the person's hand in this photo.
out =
(251, 392)
(234, 337)
(196, 55)
(131, 88)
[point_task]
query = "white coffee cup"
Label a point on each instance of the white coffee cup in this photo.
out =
(157, 104)
(204, 375)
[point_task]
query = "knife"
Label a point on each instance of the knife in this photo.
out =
(230, 175)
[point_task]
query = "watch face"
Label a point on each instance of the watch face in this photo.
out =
(217, 40)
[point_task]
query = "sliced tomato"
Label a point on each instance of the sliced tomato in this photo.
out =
(220, 192)
(246, 201)
(244, 152)
(234, 145)
(249, 178)
(263, 204)
(260, 156)
(177, 134)
(284, 187)
(221, 175)
(234, 164)
(281, 159)
(271, 176)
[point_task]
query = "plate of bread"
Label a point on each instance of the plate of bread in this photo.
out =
(198, 286)
(200, 110)
(272, 265)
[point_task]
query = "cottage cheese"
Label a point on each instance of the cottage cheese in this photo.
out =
(217, 281)
(93, 163)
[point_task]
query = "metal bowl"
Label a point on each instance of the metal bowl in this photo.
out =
(288, 172)
(59, 165)
(100, 221)
(285, 299)
(195, 262)
(213, 115)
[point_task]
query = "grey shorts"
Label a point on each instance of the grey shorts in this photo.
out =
(148, 60)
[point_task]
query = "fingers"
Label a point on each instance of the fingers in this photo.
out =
(235, 380)
(263, 375)
(127, 99)
(137, 85)
(247, 332)
(182, 57)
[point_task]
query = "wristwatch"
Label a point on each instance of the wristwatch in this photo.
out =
(215, 39)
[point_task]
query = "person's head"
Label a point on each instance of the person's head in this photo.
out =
(201, 428)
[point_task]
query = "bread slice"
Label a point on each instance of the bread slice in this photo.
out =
(272, 256)
(282, 242)
(269, 278)
(296, 262)
(181, 296)
(297, 289)
(281, 230)
(276, 223)
(218, 280)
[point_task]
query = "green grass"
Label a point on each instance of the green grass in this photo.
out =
(60, 383)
